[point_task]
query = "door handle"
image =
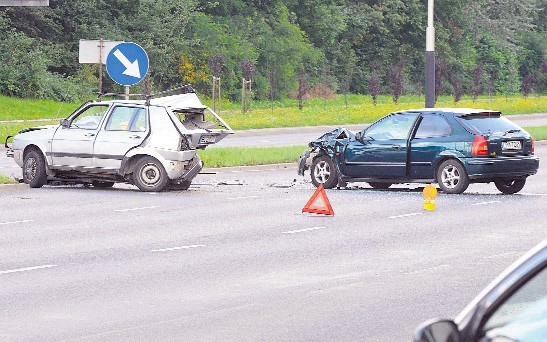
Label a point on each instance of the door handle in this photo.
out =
(89, 135)
(395, 147)
(135, 137)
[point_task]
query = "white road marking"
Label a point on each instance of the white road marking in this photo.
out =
(27, 269)
(241, 197)
(134, 209)
(15, 222)
(236, 171)
(530, 194)
(176, 248)
(303, 230)
(254, 170)
(485, 203)
(434, 268)
(405, 215)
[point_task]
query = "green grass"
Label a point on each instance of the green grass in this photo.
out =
(361, 110)
(240, 156)
(12, 108)
(6, 179)
(538, 132)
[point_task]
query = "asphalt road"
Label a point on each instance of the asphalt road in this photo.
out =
(234, 258)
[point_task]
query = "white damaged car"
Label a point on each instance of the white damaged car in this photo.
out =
(151, 144)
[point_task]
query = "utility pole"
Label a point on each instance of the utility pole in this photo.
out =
(430, 58)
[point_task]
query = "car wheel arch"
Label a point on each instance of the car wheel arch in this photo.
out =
(442, 159)
(33, 147)
(129, 163)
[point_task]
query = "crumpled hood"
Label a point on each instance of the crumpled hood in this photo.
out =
(339, 133)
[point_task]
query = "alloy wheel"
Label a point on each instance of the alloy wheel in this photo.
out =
(322, 172)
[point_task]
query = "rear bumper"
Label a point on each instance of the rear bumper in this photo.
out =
(501, 167)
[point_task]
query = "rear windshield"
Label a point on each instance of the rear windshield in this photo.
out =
(487, 123)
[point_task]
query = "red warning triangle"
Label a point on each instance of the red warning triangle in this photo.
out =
(319, 203)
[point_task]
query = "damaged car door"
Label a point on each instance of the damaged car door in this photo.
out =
(381, 150)
(125, 128)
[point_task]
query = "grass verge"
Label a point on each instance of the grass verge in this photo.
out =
(7, 180)
(242, 156)
(285, 113)
(538, 132)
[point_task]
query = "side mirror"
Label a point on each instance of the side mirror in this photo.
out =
(359, 136)
(437, 330)
(65, 123)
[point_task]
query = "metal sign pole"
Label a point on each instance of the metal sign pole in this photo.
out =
(101, 66)
(127, 92)
(430, 58)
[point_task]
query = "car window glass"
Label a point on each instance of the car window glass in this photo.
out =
(433, 126)
(482, 124)
(90, 118)
(522, 317)
(139, 122)
(126, 118)
(395, 126)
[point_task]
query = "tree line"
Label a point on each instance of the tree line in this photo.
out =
(294, 48)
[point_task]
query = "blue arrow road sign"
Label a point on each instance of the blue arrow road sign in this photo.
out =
(127, 64)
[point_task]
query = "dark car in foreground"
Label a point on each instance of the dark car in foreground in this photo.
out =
(512, 308)
(450, 146)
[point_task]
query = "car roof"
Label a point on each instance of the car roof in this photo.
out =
(175, 102)
(454, 111)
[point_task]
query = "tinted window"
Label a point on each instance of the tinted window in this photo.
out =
(485, 124)
(433, 126)
(395, 126)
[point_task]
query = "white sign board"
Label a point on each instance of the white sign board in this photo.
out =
(24, 2)
(92, 53)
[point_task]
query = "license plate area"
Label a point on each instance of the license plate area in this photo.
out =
(513, 145)
(207, 139)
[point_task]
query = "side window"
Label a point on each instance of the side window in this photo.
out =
(433, 126)
(89, 118)
(395, 126)
(522, 316)
(127, 119)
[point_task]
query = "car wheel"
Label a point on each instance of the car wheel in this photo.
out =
(324, 172)
(102, 184)
(452, 177)
(380, 185)
(510, 186)
(149, 175)
(34, 169)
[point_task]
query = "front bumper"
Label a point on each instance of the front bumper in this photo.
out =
(501, 167)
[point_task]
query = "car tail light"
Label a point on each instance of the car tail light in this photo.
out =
(479, 146)
(533, 143)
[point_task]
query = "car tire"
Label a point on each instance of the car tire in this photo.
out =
(510, 186)
(182, 186)
(380, 185)
(150, 175)
(34, 169)
(102, 184)
(452, 177)
(323, 171)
